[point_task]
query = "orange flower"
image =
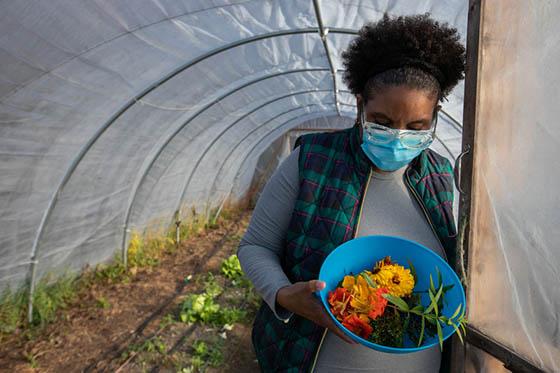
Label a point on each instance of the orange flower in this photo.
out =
(339, 299)
(358, 325)
(378, 303)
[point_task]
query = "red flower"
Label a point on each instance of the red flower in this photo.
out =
(378, 303)
(339, 300)
(357, 326)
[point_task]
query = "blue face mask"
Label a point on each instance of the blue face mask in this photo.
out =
(390, 149)
(390, 156)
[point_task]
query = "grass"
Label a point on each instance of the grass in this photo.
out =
(53, 294)
(49, 296)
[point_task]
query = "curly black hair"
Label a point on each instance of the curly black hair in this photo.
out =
(415, 51)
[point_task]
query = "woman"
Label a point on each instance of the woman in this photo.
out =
(378, 177)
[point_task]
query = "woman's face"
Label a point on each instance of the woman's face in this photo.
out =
(400, 107)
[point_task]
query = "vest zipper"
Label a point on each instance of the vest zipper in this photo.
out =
(408, 183)
(355, 233)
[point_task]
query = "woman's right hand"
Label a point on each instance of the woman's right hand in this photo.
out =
(299, 298)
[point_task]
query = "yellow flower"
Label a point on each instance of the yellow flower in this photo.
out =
(398, 280)
(348, 282)
(361, 295)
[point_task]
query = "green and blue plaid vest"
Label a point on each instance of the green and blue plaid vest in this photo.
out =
(333, 172)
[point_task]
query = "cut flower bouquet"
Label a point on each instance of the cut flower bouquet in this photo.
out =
(383, 305)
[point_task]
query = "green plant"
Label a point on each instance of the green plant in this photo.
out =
(204, 355)
(199, 307)
(431, 314)
(211, 286)
(102, 302)
(231, 268)
(49, 296)
(110, 273)
(146, 251)
(12, 309)
(166, 320)
(31, 359)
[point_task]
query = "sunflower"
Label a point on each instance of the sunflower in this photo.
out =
(397, 279)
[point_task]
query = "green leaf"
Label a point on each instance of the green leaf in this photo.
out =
(401, 304)
(431, 320)
(440, 280)
(417, 309)
(369, 281)
(431, 306)
(446, 288)
(438, 295)
(456, 311)
(440, 335)
(432, 287)
(413, 271)
(434, 300)
(462, 325)
(458, 332)
(422, 331)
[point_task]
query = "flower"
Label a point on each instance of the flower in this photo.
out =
(339, 299)
(378, 303)
(348, 282)
(358, 325)
(398, 280)
(361, 295)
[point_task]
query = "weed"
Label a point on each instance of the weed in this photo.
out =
(102, 302)
(110, 273)
(204, 355)
(12, 309)
(49, 296)
(166, 321)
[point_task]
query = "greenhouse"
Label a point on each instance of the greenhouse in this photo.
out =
(136, 138)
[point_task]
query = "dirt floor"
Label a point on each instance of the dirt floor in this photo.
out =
(134, 327)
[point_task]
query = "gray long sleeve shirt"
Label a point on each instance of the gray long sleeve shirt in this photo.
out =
(388, 209)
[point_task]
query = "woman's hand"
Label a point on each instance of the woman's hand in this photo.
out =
(299, 298)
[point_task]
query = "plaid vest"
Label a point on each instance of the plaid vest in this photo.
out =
(333, 171)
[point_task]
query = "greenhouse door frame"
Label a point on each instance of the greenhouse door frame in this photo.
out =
(474, 337)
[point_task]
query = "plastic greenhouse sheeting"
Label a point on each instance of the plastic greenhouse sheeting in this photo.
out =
(115, 115)
(514, 260)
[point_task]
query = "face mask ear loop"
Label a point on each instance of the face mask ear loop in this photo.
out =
(363, 114)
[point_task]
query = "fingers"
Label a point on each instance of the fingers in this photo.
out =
(316, 285)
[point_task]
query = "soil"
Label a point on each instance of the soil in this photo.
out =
(89, 336)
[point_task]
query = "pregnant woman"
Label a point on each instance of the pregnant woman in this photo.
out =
(378, 177)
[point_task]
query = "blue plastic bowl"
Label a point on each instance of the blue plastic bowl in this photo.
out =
(362, 253)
